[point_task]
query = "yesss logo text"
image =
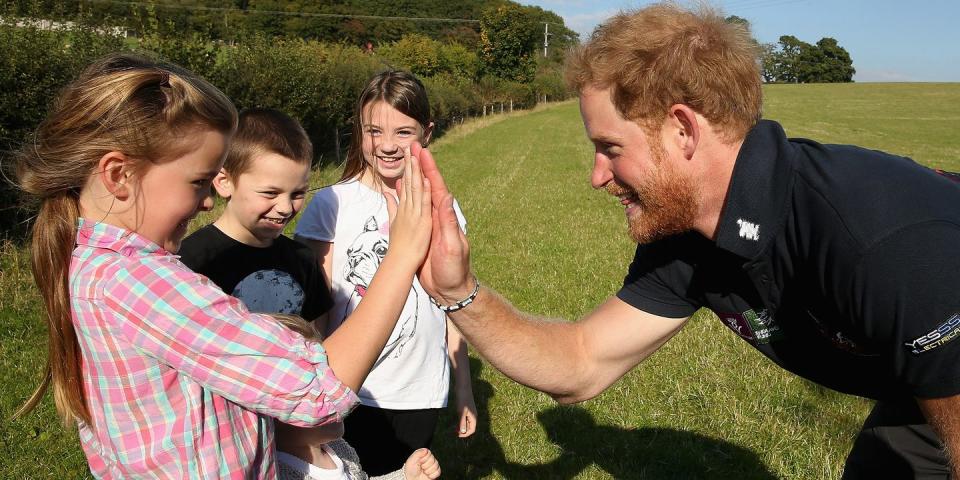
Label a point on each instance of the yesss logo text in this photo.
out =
(946, 332)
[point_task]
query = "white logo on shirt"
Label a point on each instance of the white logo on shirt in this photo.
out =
(749, 230)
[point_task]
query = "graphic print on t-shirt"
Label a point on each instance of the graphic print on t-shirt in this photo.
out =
(270, 291)
(363, 259)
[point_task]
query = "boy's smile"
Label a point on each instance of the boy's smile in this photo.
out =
(263, 199)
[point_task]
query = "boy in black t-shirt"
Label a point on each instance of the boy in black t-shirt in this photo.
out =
(264, 179)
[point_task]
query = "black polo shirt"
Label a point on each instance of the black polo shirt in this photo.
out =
(840, 264)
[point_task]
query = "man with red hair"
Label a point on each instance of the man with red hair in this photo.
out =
(837, 263)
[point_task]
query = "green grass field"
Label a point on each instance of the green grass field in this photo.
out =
(705, 406)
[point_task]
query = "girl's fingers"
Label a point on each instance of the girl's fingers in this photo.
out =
(407, 170)
(417, 173)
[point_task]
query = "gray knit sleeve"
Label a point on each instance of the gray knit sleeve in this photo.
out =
(351, 463)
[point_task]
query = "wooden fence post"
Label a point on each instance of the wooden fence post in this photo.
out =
(336, 143)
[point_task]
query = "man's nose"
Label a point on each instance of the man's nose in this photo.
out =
(601, 174)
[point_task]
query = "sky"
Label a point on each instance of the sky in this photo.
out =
(888, 40)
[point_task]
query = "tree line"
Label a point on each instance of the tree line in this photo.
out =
(792, 60)
(315, 81)
(355, 22)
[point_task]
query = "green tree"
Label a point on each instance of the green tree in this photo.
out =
(769, 67)
(795, 61)
(838, 66)
(789, 57)
(416, 53)
(508, 39)
(738, 20)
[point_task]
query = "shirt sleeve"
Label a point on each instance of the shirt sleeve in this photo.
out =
(182, 320)
(906, 290)
(317, 292)
(319, 220)
(659, 280)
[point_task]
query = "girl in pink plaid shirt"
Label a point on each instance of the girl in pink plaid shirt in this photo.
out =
(165, 375)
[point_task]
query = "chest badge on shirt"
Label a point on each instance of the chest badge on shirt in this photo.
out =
(756, 327)
(944, 333)
(749, 230)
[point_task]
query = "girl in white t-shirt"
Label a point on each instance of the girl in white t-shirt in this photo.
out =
(346, 225)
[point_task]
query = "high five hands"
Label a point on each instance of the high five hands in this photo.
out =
(445, 272)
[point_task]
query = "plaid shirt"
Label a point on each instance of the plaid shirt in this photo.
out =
(180, 379)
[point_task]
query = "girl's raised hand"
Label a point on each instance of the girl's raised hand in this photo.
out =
(410, 213)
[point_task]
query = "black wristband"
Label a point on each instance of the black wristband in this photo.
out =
(462, 303)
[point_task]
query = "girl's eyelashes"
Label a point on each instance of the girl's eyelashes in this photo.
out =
(405, 132)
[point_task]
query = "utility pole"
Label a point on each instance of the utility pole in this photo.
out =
(546, 38)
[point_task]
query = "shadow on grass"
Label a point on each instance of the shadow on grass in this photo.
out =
(648, 453)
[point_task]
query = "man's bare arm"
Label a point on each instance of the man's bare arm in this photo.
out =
(570, 361)
(943, 414)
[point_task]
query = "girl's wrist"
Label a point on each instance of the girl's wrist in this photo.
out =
(400, 260)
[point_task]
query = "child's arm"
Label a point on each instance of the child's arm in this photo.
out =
(462, 384)
(166, 312)
(324, 253)
(356, 344)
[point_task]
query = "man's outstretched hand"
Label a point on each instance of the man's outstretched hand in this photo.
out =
(445, 273)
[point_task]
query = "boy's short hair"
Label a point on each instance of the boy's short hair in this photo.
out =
(264, 130)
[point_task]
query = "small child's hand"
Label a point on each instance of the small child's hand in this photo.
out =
(467, 410)
(410, 216)
(421, 465)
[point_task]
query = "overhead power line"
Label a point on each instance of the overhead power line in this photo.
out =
(288, 14)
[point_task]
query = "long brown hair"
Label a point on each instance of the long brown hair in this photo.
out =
(124, 103)
(399, 89)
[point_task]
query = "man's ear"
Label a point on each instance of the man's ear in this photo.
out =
(684, 128)
(116, 174)
(223, 184)
(425, 138)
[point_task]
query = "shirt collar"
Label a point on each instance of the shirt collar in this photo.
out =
(760, 187)
(110, 237)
